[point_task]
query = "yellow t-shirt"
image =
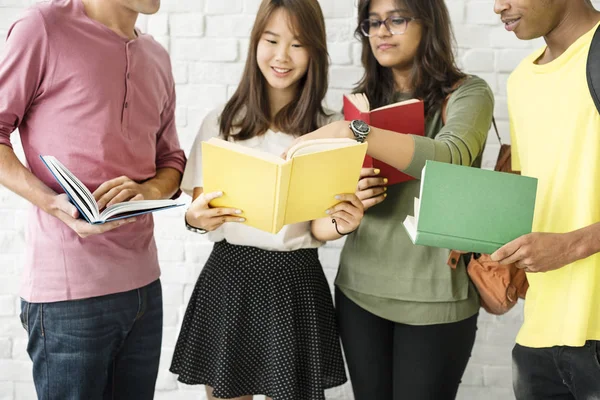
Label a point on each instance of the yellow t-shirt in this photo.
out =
(555, 130)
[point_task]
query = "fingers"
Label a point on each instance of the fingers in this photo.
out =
(202, 201)
(84, 229)
(373, 192)
(507, 254)
(365, 172)
(349, 198)
(137, 197)
(350, 209)
(366, 183)
(343, 216)
(107, 198)
(212, 223)
(108, 185)
(373, 201)
(202, 216)
(218, 221)
(121, 196)
(222, 212)
(66, 206)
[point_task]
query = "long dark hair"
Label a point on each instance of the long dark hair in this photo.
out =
(434, 72)
(248, 110)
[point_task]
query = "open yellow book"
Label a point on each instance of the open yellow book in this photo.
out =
(273, 192)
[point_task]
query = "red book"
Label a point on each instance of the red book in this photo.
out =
(403, 117)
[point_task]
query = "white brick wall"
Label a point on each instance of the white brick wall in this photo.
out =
(208, 42)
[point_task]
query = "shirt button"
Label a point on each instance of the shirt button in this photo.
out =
(128, 75)
(126, 104)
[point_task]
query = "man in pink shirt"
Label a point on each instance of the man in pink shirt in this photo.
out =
(82, 84)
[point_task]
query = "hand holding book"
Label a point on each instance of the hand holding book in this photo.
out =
(119, 190)
(110, 192)
(371, 187)
(64, 210)
(273, 192)
(201, 215)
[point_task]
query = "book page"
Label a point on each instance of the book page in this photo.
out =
(400, 103)
(318, 145)
(417, 206)
(238, 148)
(79, 186)
(130, 206)
(411, 227)
(77, 192)
(411, 223)
(360, 101)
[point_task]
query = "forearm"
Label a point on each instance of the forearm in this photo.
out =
(164, 184)
(584, 242)
(18, 179)
(387, 146)
(396, 150)
(324, 230)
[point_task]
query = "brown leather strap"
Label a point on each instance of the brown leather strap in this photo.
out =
(453, 258)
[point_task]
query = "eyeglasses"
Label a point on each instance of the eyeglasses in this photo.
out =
(394, 25)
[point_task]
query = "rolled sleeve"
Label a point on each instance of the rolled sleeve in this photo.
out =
(23, 64)
(462, 139)
(168, 151)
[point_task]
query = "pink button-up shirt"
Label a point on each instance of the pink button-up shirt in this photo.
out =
(104, 106)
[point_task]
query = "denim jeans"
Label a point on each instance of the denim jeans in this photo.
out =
(105, 347)
(560, 372)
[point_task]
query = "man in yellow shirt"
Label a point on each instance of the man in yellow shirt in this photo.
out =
(555, 132)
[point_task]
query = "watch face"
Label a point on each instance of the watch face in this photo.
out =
(360, 126)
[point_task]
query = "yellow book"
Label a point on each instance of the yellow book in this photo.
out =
(273, 192)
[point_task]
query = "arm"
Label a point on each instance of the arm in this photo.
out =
(170, 162)
(17, 178)
(23, 70)
(163, 186)
(347, 214)
(460, 141)
(542, 252)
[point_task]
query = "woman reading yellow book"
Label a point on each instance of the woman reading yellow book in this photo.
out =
(261, 318)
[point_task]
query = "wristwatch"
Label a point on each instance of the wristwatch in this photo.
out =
(193, 228)
(360, 129)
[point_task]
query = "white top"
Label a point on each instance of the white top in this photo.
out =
(291, 237)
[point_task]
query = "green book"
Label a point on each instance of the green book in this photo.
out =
(471, 209)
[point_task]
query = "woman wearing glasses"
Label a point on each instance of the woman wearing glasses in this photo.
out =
(407, 320)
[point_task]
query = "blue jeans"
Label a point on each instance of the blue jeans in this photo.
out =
(559, 373)
(105, 347)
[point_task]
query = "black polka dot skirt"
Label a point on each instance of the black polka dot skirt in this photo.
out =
(260, 322)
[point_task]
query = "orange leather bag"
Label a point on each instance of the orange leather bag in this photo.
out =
(499, 286)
